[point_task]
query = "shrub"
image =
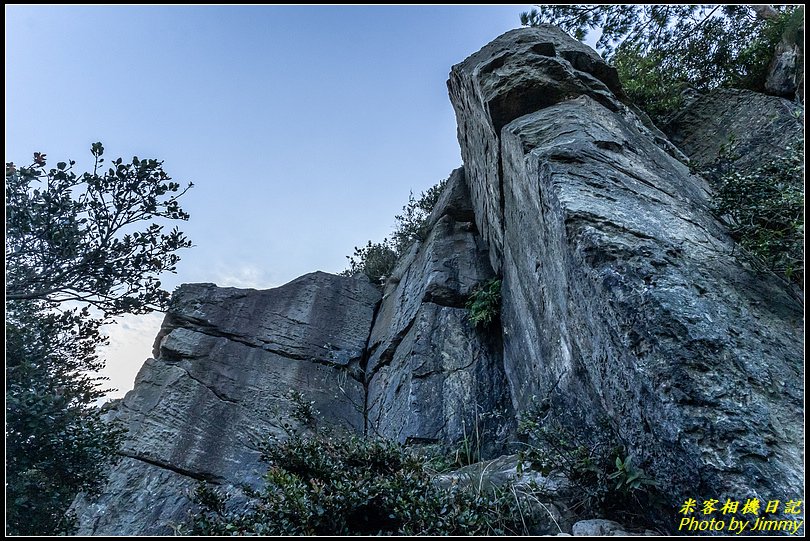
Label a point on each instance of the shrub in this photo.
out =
(765, 211)
(377, 259)
(484, 304)
(605, 481)
(323, 485)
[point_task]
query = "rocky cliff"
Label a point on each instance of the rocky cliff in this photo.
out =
(623, 302)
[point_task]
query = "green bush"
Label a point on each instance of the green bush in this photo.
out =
(377, 259)
(484, 304)
(605, 481)
(323, 485)
(765, 211)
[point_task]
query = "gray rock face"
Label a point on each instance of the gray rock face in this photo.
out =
(226, 360)
(518, 73)
(431, 376)
(786, 70)
(744, 128)
(621, 296)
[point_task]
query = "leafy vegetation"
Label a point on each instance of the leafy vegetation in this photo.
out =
(321, 485)
(73, 244)
(765, 211)
(661, 50)
(484, 304)
(605, 480)
(56, 441)
(377, 259)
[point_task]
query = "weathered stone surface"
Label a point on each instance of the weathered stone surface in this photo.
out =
(786, 70)
(600, 527)
(745, 128)
(444, 383)
(621, 294)
(518, 73)
(538, 495)
(226, 362)
(431, 376)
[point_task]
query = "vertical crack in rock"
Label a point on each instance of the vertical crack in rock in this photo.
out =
(364, 378)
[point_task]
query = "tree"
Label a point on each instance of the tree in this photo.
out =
(74, 243)
(660, 50)
(68, 236)
(377, 259)
(57, 443)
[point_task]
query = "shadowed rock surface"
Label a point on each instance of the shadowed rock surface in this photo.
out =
(432, 377)
(742, 128)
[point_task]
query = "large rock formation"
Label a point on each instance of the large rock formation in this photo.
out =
(623, 301)
(621, 293)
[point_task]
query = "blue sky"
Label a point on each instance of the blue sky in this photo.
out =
(303, 128)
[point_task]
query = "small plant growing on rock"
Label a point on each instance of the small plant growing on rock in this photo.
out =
(484, 304)
(604, 479)
(303, 410)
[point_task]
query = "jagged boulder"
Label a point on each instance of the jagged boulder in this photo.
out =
(622, 296)
(518, 73)
(225, 362)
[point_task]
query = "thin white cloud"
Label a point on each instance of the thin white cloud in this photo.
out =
(131, 339)
(244, 276)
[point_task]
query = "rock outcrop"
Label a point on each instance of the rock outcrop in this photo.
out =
(225, 362)
(432, 378)
(623, 302)
(735, 129)
(621, 294)
(786, 71)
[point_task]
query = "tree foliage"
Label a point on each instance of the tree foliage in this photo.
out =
(325, 485)
(765, 211)
(660, 50)
(80, 249)
(57, 443)
(377, 259)
(73, 237)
